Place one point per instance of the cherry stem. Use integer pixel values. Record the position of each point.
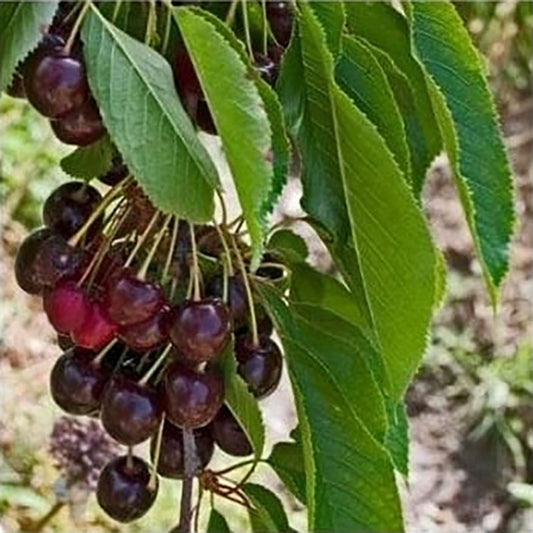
(246, 22)
(230, 16)
(249, 296)
(118, 5)
(265, 27)
(225, 279)
(242, 464)
(144, 380)
(144, 269)
(43, 522)
(171, 249)
(129, 460)
(141, 240)
(98, 359)
(197, 509)
(226, 248)
(153, 475)
(190, 463)
(76, 27)
(195, 267)
(152, 20)
(102, 206)
(166, 36)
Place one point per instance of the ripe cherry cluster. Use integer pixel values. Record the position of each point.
(144, 304)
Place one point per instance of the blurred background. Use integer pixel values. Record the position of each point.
(470, 407)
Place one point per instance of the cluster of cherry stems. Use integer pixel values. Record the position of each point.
(144, 304)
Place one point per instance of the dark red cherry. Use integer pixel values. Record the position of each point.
(204, 119)
(171, 452)
(237, 300)
(229, 435)
(16, 87)
(116, 173)
(69, 206)
(55, 259)
(279, 16)
(25, 262)
(130, 411)
(56, 83)
(66, 306)
(81, 127)
(200, 329)
(130, 300)
(77, 383)
(260, 366)
(97, 330)
(148, 335)
(266, 67)
(192, 399)
(125, 490)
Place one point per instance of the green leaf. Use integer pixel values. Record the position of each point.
(397, 439)
(291, 246)
(331, 17)
(472, 136)
(354, 187)
(361, 77)
(385, 28)
(242, 402)
(90, 161)
(240, 117)
(287, 461)
(267, 513)
(280, 142)
(217, 523)
(22, 24)
(135, 91)
(350, 479)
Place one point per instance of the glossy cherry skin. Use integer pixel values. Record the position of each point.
(97, 330)
(55, 260)
(130, 300)
(280, 18)
(170, 463)
(260, 366)
(81, 127)
(69, 206)
(25, 271)
(66, 306)
(130, 412)
(200, 329)
(192, 399)
(229, 435)
(148, 335)
(124, 489)
(56, 84)
(77, 383)
(237, 300)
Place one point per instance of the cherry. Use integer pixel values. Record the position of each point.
(16, 87)
(130, 411)
(267, 67)
(125, 491)
(229, 435)
(66, 306)
(69, 206)
(97, 330)
(280, 18)
(200, 329)
(81, 127)
(171, 452)
(116, 173)
(148, 335)
(77, 383)
(25, 262)
(55, 259)
(56, 83)
(204, 119)
(237, 300)
(260, 366)
(192, 399)
(130, 300)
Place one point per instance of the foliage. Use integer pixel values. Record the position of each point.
(351, 345)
